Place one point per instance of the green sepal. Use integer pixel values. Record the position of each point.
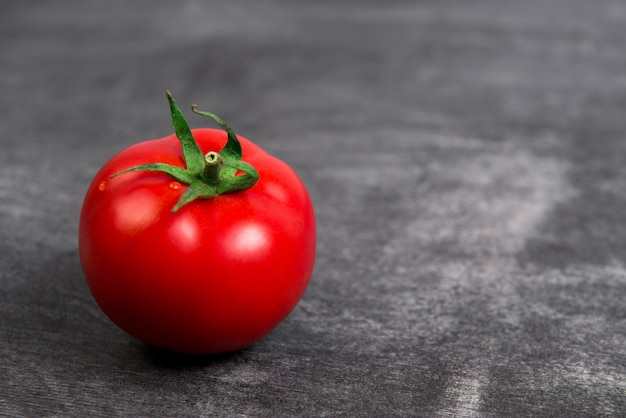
(195, 191)
(194, 159)
(178, 173)
(232, 150)
(242, 181)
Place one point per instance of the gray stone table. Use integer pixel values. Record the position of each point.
(466, 160)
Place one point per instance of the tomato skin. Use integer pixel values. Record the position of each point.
(215, 276)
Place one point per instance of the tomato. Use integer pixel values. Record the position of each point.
(197, 256)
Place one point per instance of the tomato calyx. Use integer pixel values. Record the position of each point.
(207, 175)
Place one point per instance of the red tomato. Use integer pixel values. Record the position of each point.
(215, 275)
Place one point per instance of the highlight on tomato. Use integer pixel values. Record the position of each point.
(199, 242)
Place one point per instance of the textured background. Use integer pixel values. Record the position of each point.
(466, 163)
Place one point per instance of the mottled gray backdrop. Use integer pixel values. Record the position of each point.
(466, 160)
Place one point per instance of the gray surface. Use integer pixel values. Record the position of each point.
(465, 159)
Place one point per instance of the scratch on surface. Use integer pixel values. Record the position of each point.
(462, 397)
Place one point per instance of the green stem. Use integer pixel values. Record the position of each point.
(213, 163)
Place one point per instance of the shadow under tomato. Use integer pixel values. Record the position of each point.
(170, 359)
